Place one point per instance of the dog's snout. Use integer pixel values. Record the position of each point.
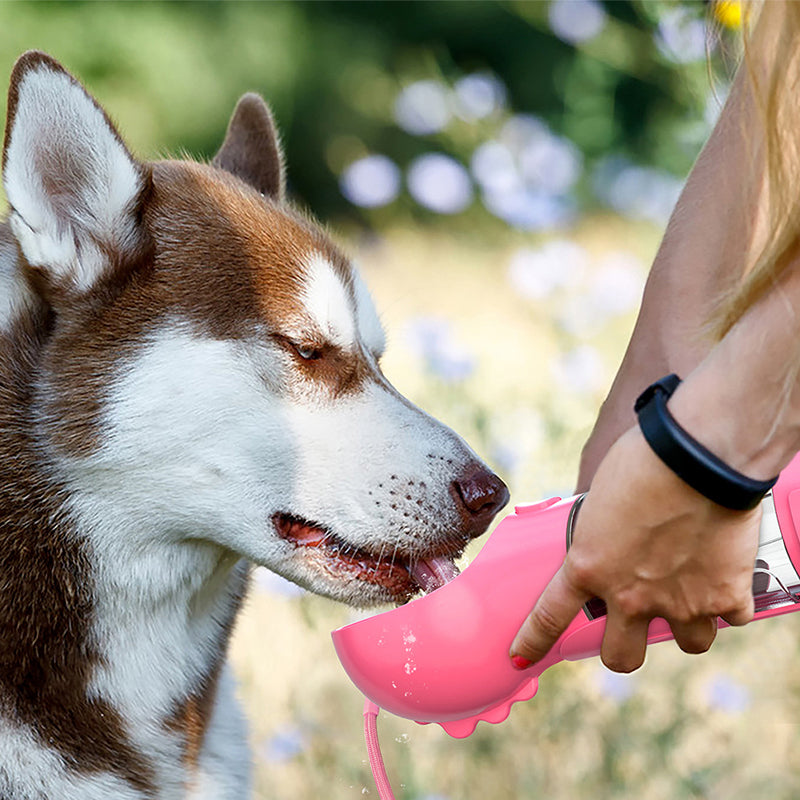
(482, 495)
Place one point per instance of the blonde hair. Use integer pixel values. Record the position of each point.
(771, 38)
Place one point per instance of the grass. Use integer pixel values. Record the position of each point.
(724, 725)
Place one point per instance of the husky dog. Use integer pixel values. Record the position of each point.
(190, 382)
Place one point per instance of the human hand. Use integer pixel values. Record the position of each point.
(650, 546)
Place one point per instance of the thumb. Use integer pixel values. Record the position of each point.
(557, 606)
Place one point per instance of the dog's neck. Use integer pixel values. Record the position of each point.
(106, 635)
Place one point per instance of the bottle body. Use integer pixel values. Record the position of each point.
(445, 656)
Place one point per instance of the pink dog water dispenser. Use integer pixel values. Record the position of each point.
(444, 657)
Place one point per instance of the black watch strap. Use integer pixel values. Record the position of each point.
(687, 458)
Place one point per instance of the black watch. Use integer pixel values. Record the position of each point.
(687, 458)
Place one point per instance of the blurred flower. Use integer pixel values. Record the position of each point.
(371, 182)
(264, 580)
(521, 129)
(529, 210)
(580, 316)
(576, 21)
(617, 285)
(536, 273)
(439, 183)
(494, 167)
(729, 13)
(526, 173)
(423, 107)
(283, 745)
(580, 370)
(636, 192)
(728, 695)
(432, 339)
(479, 95)
(506, 456)
(615, 685)
(551, 162)
(515, 436)
(681, 36)
(546, 160)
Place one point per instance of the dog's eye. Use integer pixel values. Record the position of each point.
(307, 353)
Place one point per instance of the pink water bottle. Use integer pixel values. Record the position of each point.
(444, 657)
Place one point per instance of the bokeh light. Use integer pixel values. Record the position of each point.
(637, 192)
(479, 95)
(444, 356)
(682, 36)
(576, 21)
(616, 686)
(440, 183)
(728, 695)
(371, 182)
(580, 370)
(618, 282)
(423, 108)
(535, 273)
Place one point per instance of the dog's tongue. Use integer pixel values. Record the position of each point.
(433, 573)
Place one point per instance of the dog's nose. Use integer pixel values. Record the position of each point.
(482, 495)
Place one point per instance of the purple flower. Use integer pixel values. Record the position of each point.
(636, 192)
(580, 370)
(284, 745)
(726, 694)
(444, 356)
(615, 685)
(557, 264)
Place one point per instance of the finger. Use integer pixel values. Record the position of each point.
(556, 608)
(741, 615)
(695, 636)
(624, 642)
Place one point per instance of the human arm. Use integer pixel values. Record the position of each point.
(650, 545)
(645, 542)
(709, 241)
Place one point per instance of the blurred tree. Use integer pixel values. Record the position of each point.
(624, 78)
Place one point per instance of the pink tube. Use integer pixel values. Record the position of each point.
(374, 751)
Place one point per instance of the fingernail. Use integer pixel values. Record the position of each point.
(520, 662)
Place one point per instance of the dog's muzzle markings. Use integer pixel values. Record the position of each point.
(190, 382)
(479, 495)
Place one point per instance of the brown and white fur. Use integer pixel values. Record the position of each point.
(189, 382)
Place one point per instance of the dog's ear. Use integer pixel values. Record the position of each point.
(251, 149)
(73, 187)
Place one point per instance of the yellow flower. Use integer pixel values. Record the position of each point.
(729, 13)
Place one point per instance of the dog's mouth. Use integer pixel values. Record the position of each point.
(400, 575)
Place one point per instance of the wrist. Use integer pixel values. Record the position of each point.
(753, 438)
(693, 463)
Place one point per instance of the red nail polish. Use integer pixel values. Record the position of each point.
(520, 662)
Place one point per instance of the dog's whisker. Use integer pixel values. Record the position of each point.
(379, 560)
(394, 555)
